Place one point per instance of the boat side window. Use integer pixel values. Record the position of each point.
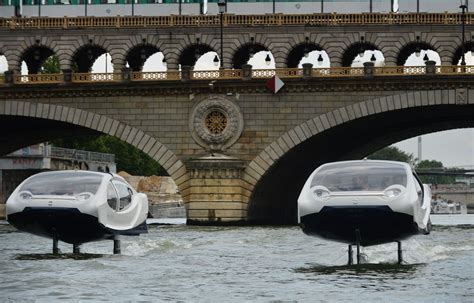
(111, 196)
(419, 187)
(125, 195)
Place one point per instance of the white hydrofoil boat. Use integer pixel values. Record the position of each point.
(78, 207)
(364, 202)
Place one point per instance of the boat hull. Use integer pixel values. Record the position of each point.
(67, 224)
(376, 224)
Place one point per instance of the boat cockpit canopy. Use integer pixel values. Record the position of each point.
(360, 176)
(63, 184)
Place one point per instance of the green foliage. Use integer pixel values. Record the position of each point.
(395, 154)
(51, 65)
(433, 166)
(128, 158)
(392, 153)
(429, 164)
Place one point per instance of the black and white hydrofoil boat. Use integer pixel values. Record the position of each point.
(78, 207)
(364, 202)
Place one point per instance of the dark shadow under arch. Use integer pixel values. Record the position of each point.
(191, 54)
(297, 53)
(19, 131)
(354, 50)
(243, 54)
(35, 56)
(468, 46)
(85, 57)
(409, 49)
(274, 198)
(137, 56)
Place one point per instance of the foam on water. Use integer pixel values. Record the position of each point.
(143, 247)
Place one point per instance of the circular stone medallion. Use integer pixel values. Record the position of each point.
(216, 123)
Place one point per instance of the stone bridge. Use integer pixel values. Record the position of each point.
(238, 152)
(79, 41)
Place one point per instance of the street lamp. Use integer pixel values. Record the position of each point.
(463, 7)
(268, 60)
(222, 4)
(426, 58)
(320, 59)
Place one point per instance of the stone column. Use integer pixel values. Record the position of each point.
(9, 74)
(307, 71)
(246, 72)
(369, 69)
(186, 72)
(217, 193)
(67, 74)
(430, 67)
(126, 74)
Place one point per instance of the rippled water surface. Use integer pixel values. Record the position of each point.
(239, 264)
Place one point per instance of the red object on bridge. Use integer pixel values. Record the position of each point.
(274, 84)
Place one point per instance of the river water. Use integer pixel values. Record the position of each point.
(240, 264)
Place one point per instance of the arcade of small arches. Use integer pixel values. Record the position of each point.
(146, 56)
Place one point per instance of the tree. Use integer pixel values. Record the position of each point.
(423, 168)
(127, 157)
(51, 65)
(429, 164)
(392, 153)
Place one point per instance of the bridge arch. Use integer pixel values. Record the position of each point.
(355, 49)
(278, 173)
(35, 56)
(85, 56)
(138, 55)
(192, 52)
(33, 51)
(246, 51)
(468, 46)
(410, 48)
(80, 121)
(299, 51)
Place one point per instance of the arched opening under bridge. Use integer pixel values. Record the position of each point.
(274, 197)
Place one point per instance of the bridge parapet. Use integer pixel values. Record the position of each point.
(317, 19)
(232, 74)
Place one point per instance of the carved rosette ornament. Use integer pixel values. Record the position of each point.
(216, 123)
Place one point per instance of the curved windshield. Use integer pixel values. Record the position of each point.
(60, 184)
(360, 176)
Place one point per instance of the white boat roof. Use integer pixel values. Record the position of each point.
(369, 161)
(89, 172)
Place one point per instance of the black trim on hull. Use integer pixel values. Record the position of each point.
(377, 224)
(69, 225)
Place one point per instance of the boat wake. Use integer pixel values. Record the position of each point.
(145, 247)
